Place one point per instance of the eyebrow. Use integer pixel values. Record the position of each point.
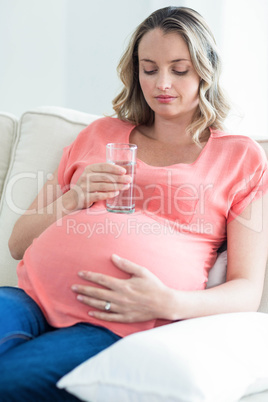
(172, 61)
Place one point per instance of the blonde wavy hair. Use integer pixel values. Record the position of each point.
(130, 104)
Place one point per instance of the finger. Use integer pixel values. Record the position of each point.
(101, 196)
(92, 291)
(97, 304)
(109, 178)
(107, 168)
(112, 317)
(107, 187)
(105, 281)
(128, 266)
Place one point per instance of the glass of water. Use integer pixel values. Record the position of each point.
(123, 155)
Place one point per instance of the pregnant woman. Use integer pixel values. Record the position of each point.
(88, 277)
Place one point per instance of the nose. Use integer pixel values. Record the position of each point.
(163, 82)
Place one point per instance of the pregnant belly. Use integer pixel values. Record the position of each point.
(84, 241)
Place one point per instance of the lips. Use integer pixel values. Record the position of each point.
(165, 98)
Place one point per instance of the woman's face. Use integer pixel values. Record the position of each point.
(167, 77)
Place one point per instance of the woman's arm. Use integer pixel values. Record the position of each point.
(247, 253)
(97, 182)
(37, 217)
(144, 297)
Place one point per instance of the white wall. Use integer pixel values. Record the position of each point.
(245, 49)
(65, 53)
(96, 33)
(32, 38)
(241, 32)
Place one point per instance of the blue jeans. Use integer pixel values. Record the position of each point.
(34, 355)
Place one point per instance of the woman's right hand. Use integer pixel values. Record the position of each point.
(99, 181)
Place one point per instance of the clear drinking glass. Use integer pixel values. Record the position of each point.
(123, 155)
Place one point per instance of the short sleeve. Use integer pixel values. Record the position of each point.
(73, 155)
(251, 187)
(89, 147)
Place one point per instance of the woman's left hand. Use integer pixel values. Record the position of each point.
(139, 298)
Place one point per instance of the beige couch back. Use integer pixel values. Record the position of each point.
(31, 149)
(264, 302)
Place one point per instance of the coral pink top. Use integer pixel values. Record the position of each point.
(179, 223)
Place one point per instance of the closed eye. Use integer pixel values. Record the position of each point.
(181, 72)
(150, 72)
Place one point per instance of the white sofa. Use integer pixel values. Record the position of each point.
(30, 149)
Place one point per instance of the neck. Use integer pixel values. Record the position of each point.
(169, 131)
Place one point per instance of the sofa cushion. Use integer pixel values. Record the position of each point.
(264, 301)
(210, 359)
(264, 144)
(42, 135)
(8, 131)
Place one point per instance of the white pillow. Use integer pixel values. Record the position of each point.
(213, 359)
